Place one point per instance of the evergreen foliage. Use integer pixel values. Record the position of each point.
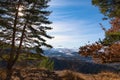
(110, 8)
(47, 64)
(112, 35)
(23, 24)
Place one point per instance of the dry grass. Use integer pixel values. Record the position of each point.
(31, 74)
(40, 74)
(70, 75)
(2, 74)
(107, 76)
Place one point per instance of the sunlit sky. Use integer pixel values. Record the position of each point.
(75, 23)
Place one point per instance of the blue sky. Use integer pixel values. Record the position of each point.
(75, 22)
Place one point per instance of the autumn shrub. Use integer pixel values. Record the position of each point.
(108, 49)
(101, 53)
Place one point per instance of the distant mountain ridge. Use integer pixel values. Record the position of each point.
(65, 53)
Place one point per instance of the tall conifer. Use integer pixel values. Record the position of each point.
(23, 23)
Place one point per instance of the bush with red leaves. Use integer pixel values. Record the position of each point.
(107, 50)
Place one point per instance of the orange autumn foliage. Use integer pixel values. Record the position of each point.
(115, 25)
(105, 53)
(101, 53)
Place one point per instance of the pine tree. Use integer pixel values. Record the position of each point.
(110, 8)
(112, 35)
(23, 24)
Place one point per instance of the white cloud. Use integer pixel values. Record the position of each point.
(74, 26)
(69, 41)
(70, 27)
(62, 15)
(73, 33)
(63, 3)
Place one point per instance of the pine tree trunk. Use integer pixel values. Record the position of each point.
(12, 53)
(9, 71)
(9, 75)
